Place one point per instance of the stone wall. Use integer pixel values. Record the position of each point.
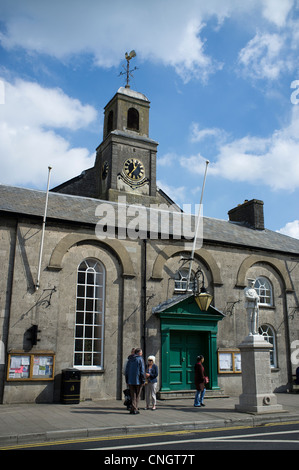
(131, 293)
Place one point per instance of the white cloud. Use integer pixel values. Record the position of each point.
(30, 103)
(29, 141)
(273, 51)
(167, 159)
(271, 161)
(262, 57)
(277, 11)
(166, 32)
(291, 229)
(198, 134)
(177, 194)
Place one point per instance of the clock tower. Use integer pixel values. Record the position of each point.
(126, 159)
(125, 163)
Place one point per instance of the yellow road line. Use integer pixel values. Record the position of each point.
(134, 436)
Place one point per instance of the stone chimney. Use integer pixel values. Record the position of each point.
(250, 213)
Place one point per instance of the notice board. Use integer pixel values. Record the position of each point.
(229, 361)
(30, 366)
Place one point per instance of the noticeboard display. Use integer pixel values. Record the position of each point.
(229, 361)
(30, 366)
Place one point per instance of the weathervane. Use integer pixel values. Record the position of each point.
(128, 72)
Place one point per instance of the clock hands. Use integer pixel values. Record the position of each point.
(135, 166)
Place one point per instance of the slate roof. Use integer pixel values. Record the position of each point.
(67, 208)
(178, 299)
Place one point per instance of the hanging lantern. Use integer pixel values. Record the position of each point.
(203, 300)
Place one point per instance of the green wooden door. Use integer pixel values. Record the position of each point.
(185, 346)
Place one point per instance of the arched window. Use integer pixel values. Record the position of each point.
(89, 329)
(133, 119)
(110, 122)
(268, 333)
(264, 289)
(180, 280)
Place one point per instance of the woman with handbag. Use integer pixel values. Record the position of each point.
(200, 382)
(151, 374)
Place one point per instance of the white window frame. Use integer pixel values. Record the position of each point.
(90, 315)
(265, 291)
(268, 333)
(180, 281)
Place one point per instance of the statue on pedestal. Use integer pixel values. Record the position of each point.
(252, 307)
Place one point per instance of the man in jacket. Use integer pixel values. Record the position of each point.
(135, 378)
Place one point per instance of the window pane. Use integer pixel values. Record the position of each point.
(78, 359)
(80, 318)
(90, 278)
(80, 304)
(90, 291)
(87, 345)
(78, 345)
(97, 346)
(98, 318)
(88, 332)
(89, 318)
(97, 359)
(81, 291)
(81, 278)
(97, 332)
(79, 331)
(87, 360)
(89, 305)
(98, 305)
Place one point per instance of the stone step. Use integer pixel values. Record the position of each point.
(174, 394)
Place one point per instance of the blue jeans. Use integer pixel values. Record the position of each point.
(199, 396)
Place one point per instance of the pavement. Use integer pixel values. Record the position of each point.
(27, 423)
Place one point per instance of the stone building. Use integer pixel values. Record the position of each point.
(114, 275)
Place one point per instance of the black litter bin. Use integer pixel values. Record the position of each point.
(70, 386)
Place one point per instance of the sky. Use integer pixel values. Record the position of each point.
(222, 77)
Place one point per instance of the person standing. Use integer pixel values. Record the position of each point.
(128, 400)
(135, 378)
(151, 374)
(200, 380)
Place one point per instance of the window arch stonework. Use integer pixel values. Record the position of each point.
(276, 264)
(74, 239)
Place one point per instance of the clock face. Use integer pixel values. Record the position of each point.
(134, 169)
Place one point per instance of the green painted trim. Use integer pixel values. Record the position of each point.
(186, 316)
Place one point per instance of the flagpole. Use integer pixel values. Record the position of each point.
(197, 227)
(37, 285)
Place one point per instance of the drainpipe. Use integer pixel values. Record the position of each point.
(144, 288)
(6, 321)
(288, 338)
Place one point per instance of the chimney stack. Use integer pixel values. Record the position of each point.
(250, 213)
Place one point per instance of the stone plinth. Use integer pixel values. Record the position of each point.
(257, 396)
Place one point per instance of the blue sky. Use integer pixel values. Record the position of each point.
(222, 78)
